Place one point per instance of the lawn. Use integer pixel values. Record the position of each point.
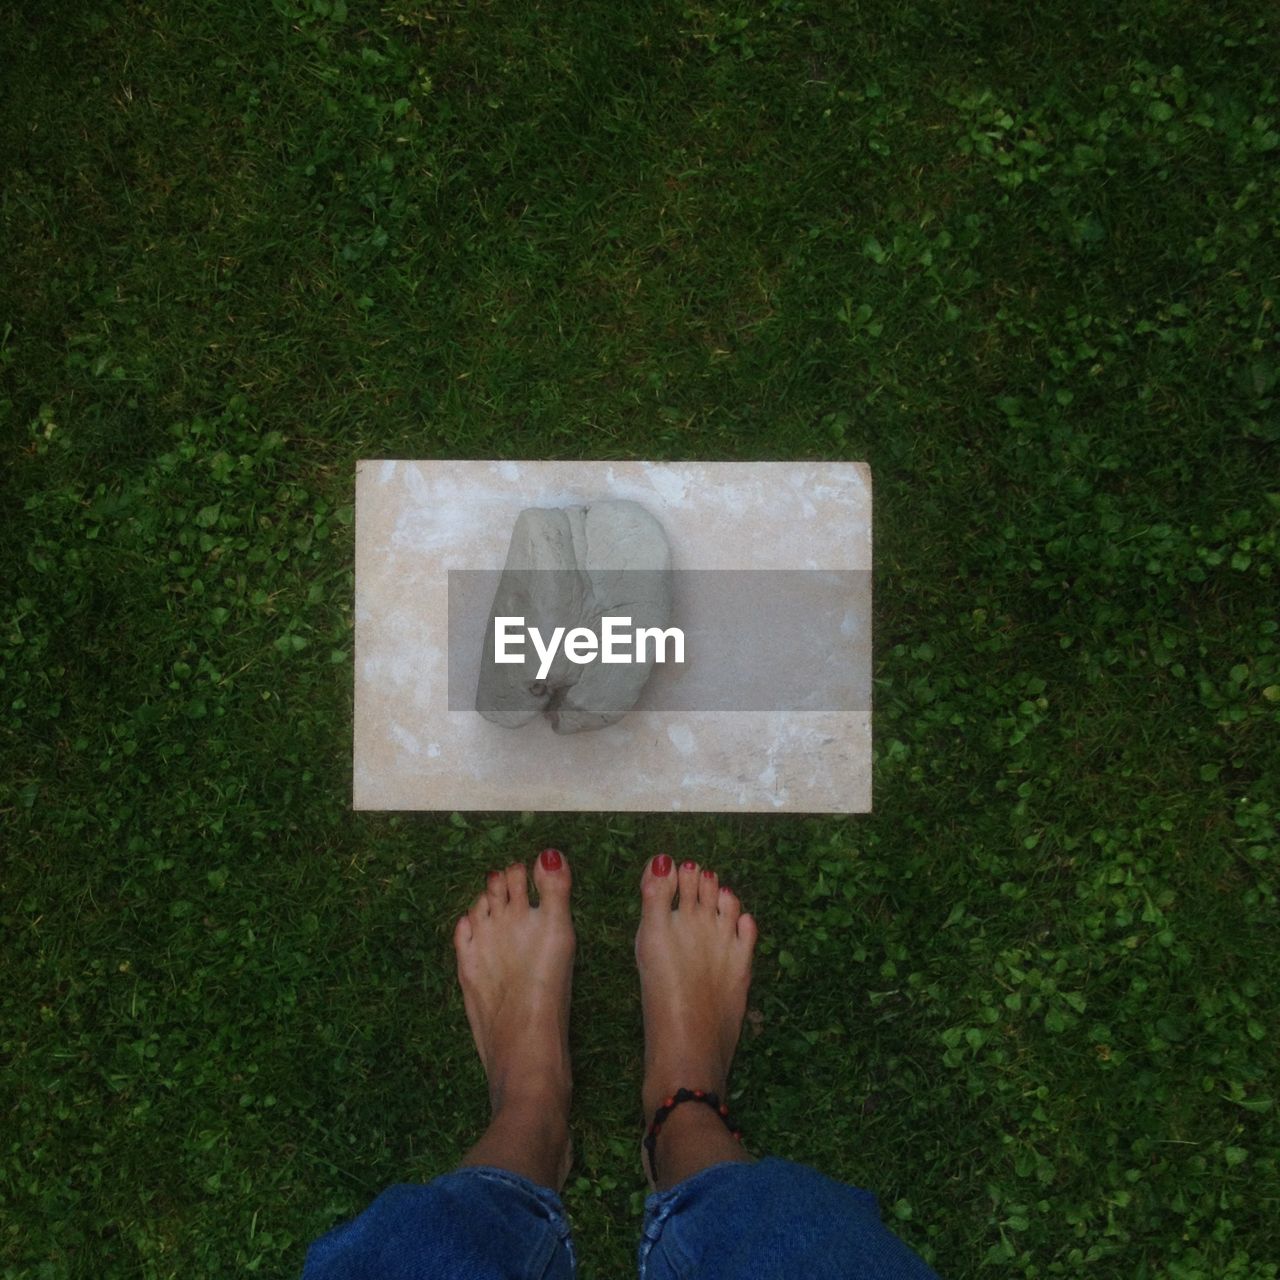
(1022, 258)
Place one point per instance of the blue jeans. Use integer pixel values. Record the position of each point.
(770, 1220)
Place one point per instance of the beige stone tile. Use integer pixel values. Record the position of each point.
(415, 521)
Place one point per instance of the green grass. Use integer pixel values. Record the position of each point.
(1021, 258)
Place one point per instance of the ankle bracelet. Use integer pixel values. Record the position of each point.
(684, 1095)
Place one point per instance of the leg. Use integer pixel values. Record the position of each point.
(716, 1212)
(515, 963)
(472, 1224)
(771, 1220)
(695, 968)
(498, 1216)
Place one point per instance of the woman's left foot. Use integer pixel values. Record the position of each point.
(515, 964)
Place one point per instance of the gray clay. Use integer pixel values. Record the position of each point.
(569, 567)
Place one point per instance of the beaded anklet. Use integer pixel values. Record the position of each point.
(684, 1095)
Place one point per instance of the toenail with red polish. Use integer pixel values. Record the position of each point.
(662, 865)
(689, 864)
(551, 859)
(708, 873)
(724, 888)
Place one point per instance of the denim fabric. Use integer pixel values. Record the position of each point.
(768, 1220)
(473, 1224)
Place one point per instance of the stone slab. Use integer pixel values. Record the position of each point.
(417, 520)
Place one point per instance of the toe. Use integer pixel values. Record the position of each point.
(688, 881)
(517, 885)
(479, 909)
(496, 888)
(708, 888)
(551, 875)
(462, 932)
(729, 907)
(657, 885)
(747, 931)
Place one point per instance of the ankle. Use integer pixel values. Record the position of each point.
(693, 1137)
(539, 1104)
(691, 1077)
(541, 1123)
(532, 1142)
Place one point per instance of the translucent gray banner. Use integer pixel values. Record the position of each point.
(754, 640)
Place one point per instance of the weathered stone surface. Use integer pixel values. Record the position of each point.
(417, 521)
(570, 567)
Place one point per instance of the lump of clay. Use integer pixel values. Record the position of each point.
(569, 567)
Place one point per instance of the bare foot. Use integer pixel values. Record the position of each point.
(515, 964)
(695, 969)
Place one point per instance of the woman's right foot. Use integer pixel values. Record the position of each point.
(695, 970)
(515, 964)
